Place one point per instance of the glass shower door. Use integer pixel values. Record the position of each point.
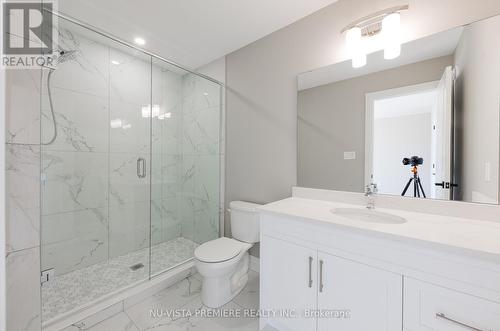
(130, 160)
(95, 215)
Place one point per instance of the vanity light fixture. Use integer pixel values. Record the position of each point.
(386, 23)
(114, 62)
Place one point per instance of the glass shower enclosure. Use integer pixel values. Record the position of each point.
(130, 168)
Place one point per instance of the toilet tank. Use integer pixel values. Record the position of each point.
(245, 225)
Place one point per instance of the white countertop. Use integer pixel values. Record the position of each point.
(476, 235)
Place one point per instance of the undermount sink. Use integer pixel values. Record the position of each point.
(368, 215)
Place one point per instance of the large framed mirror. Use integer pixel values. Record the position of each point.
(423, 125)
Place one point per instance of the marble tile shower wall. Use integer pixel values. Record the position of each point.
(201, 141)
(23, 199)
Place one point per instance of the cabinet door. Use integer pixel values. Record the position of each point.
(353, 296)
(288, 284)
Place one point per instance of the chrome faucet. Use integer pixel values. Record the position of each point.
(370, 191)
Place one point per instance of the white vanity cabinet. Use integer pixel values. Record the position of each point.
(337, 278)
(301, 283)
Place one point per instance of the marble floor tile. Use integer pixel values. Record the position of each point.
(185, 297)
(173, 297)
(249, 296)
(225, 323)
(207, 319)
(120, 322)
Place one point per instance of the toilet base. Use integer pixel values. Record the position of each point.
(217, 291)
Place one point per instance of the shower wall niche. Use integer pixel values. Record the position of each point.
(130, 168)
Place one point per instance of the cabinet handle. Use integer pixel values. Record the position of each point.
(310, 272)
(446, 318)
(321, 276)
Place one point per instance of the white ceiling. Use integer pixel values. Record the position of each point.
(191, 32)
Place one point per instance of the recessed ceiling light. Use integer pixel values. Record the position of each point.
(139, 41)
(115, 62)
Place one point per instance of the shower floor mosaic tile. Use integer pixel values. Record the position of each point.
(79, 287)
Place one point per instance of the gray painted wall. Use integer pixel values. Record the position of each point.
(261, 102)
(332, 121)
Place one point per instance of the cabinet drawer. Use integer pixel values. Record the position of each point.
(428, 307)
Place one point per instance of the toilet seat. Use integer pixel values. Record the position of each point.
(218, 250)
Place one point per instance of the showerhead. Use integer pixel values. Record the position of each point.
(65, 56)
(62, 56)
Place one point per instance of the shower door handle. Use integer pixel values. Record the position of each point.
(310, 282)
(141, 167)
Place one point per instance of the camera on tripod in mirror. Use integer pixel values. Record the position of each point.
(414, 161)
(418, 189)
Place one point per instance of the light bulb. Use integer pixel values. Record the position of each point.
(355, 47)
(359, 60)
(391, 34)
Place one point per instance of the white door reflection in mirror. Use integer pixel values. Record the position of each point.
(442, 137)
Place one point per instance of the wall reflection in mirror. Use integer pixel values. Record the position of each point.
(423, 125)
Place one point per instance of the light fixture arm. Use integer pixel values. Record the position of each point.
(374, 18)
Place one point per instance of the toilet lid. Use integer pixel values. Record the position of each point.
(218, 250)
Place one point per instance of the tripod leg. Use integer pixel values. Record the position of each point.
(415, 188)
(418, 189)
(406, 187)
(421, 187)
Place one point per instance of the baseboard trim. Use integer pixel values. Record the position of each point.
(254, 263)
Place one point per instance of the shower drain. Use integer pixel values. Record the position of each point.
(137, 266)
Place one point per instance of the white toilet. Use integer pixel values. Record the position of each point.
(223, 263)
